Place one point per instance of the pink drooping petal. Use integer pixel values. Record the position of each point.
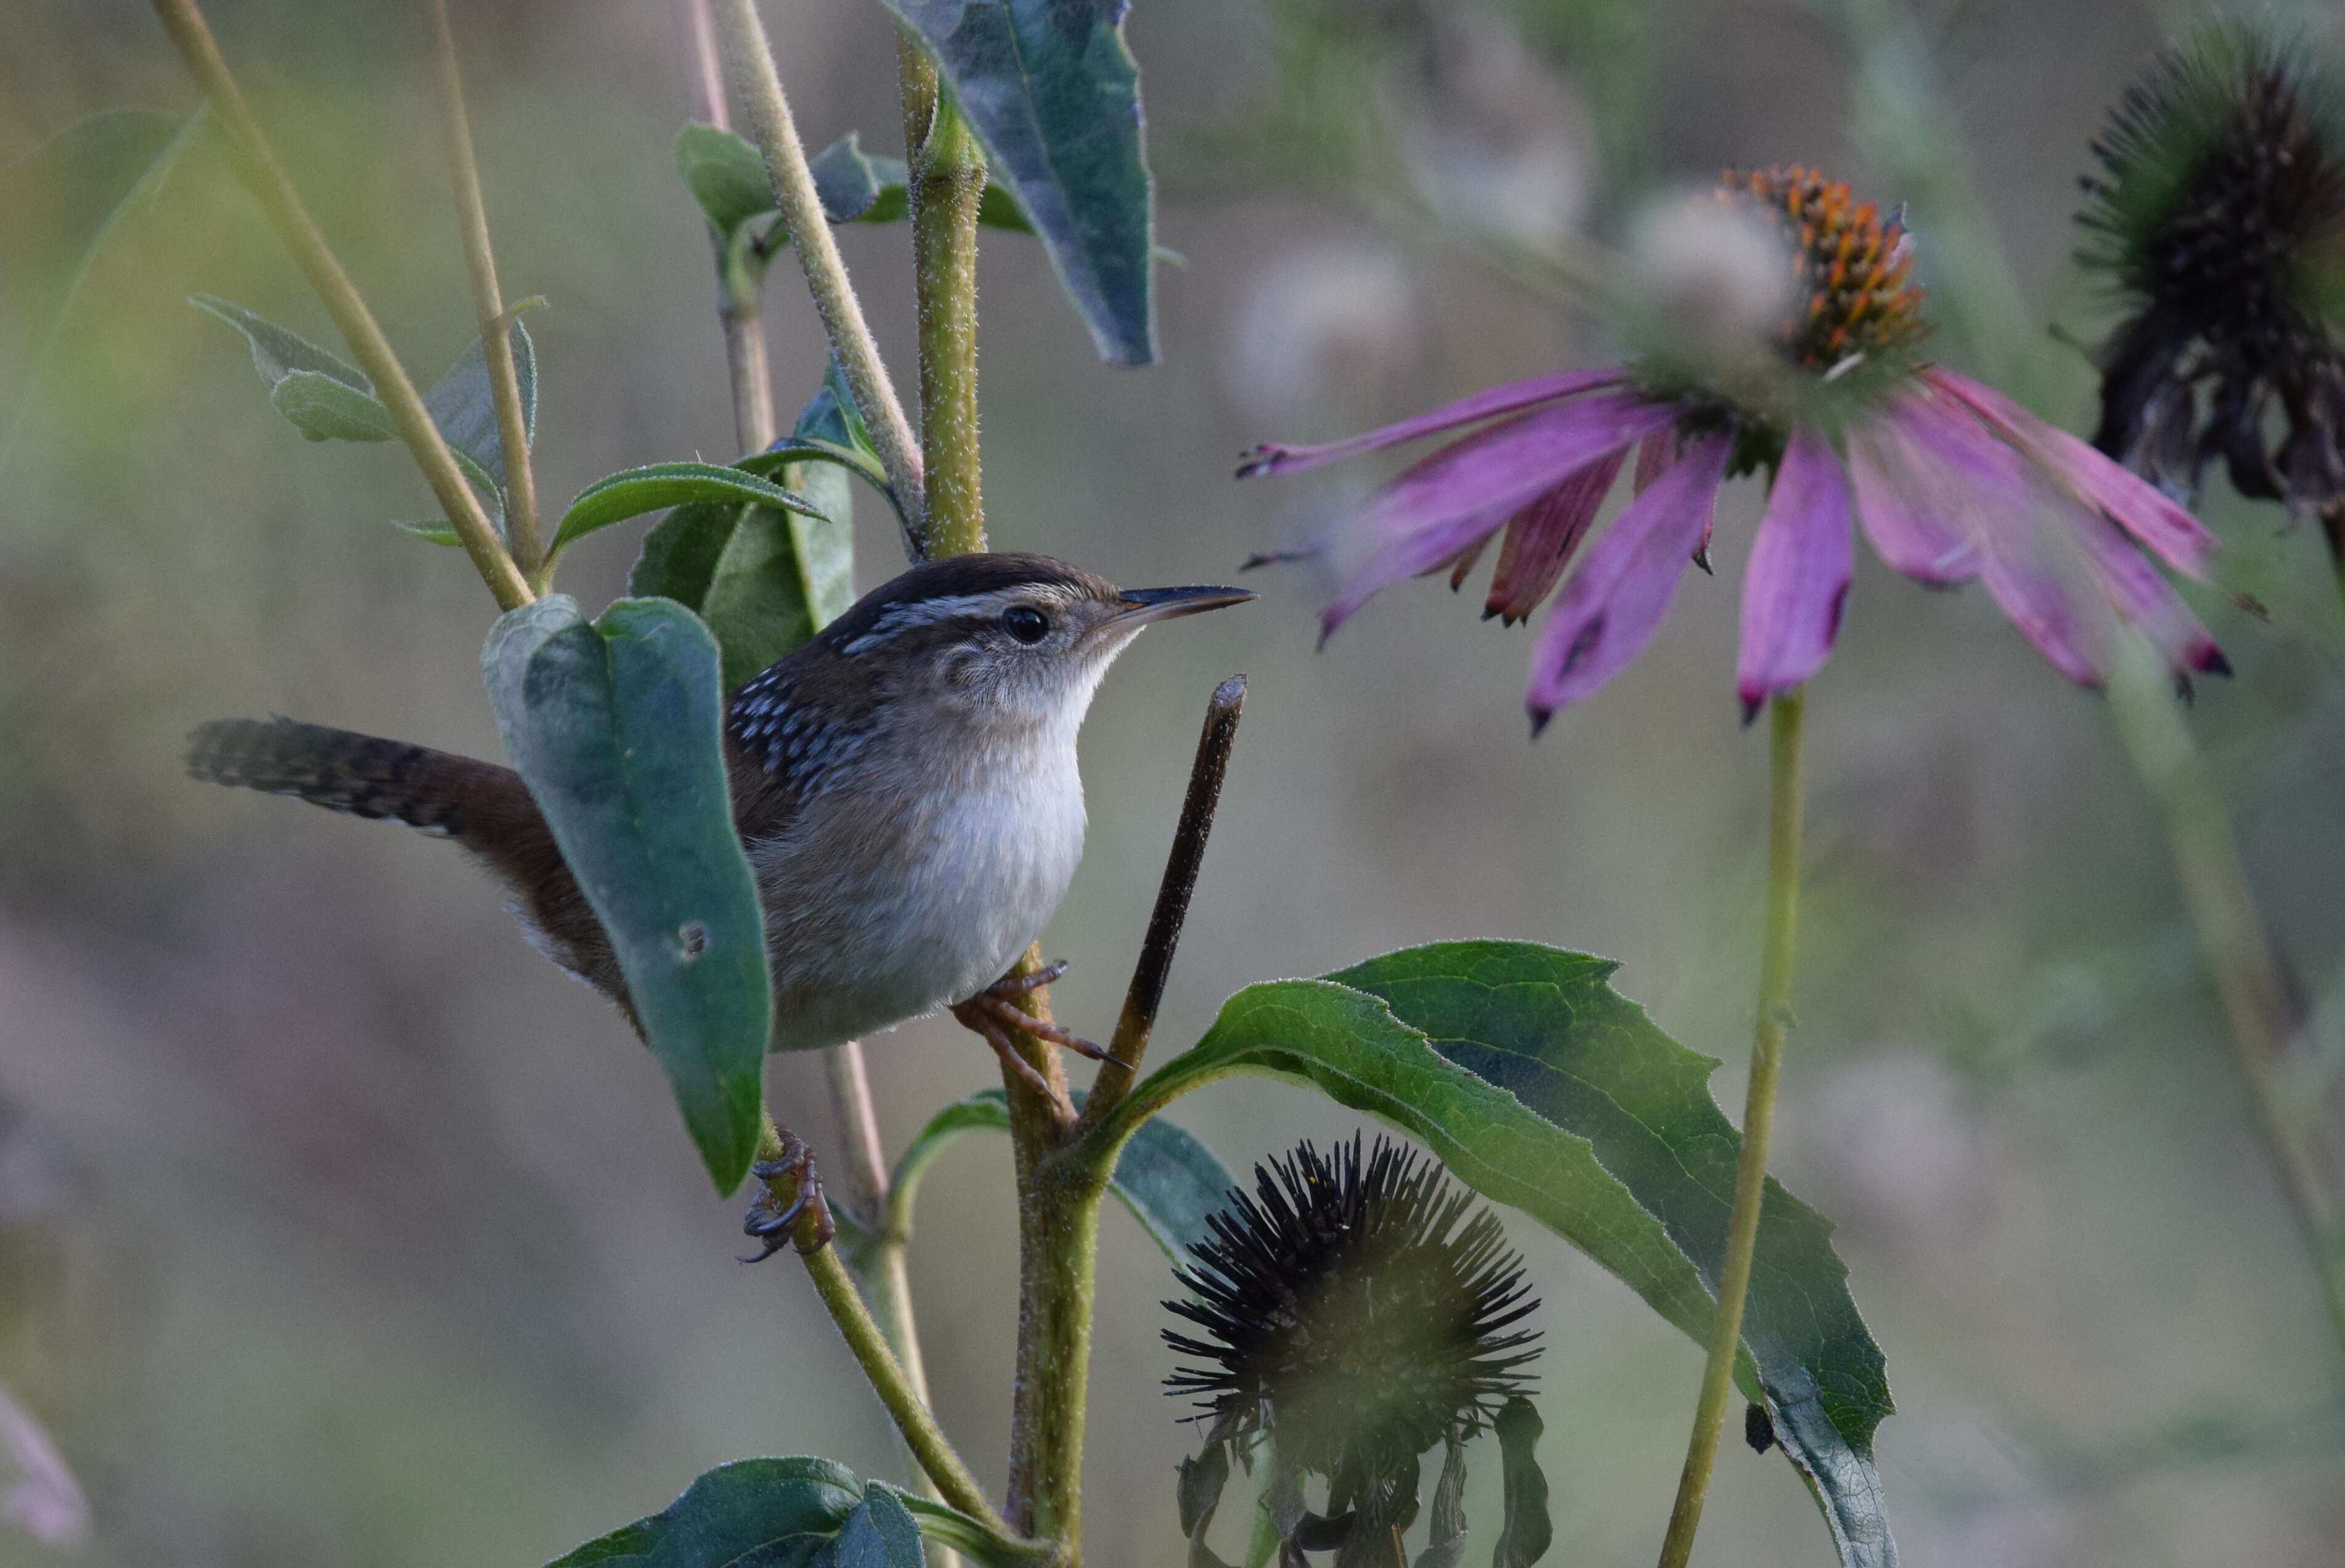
(2144, 596)
(1463, 562)
(2041, 602)
(1798, 577)
(1654, 456)
(2021, 521)
(1469, 489)
(2140, 508)
(1410, 556)
(1909, 493)
(1981, 488)
(1272, 458)
(1612, 605)
(1542, 536)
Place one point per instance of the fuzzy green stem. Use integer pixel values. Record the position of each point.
(1757, 1122)
(750, 69)
(1058, 1227)
(522, 534)
(2238, 949)
(870, 1347)
(947, 182)
(259, 167)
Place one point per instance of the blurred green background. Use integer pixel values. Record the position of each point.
(336, 1226)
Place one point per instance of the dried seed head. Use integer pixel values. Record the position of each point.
(2218, 215)
(1355, 1308)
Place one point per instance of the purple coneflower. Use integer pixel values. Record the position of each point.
(1949, 479)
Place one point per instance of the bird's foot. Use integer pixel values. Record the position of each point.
(797, 1214)
(1000, 1002)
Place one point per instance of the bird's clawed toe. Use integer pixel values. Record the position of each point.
(802, 1219)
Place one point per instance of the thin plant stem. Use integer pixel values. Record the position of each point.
(1146, 992)
(2263, 1023)
(1758, 1122)
(870, 1347)
(705, 69)
(521, 534)
(264, 175)
(749, 68)
(740, 281)
(947, 183)
(739, 310)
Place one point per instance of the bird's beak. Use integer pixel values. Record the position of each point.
(1143, 606)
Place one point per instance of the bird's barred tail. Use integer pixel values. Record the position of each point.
(361, 775)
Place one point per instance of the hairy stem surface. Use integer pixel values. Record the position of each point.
(947, 182)
(837, 1288)
(1758, 1124)
(749, 68)
(521, 534)
(259, 167)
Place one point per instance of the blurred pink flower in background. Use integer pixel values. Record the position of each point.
(1950, 480)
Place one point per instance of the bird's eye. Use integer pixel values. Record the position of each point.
(1025, 622)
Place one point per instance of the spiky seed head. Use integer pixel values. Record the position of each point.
(2217, 217)
(1358, 1308)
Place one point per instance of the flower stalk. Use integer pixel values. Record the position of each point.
(521, 534)
(264, 175)
(750, 69)
(1758, 1124)
(2239, 954)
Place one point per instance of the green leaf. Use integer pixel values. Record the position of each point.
(614, 726)
(779, 578)
(463, 404)
(435, 532)
(1053, 94)
(725, 175)
(681, 550)
(1524, 1537)
(323, 407)
(793, 1513)
(785, 1508)
(632, 492)
(1168, 1179)
(1540, 1086)
(879, 1534)
(1547, 1027)
(765, 580)
(856, 185)
(328, 398)
(280, 352)
(78, 189)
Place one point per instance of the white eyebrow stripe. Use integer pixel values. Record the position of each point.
(897, 619)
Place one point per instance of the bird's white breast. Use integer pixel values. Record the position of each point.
(929, 895)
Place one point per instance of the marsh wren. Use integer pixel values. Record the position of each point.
(904, 784)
